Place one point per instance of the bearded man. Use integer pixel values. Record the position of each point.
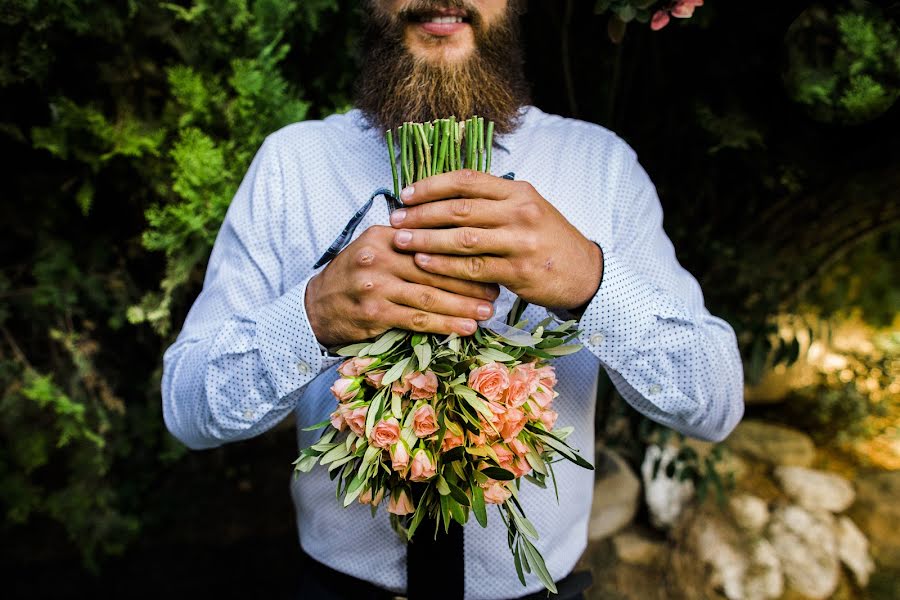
(581, 237)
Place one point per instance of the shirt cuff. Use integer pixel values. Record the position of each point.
(286, 341)
(622, 313)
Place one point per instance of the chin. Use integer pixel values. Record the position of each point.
(441, 52)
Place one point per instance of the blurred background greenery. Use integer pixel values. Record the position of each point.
(771, 133)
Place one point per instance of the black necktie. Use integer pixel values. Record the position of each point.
(435, 568)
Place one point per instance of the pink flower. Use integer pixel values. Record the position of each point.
(368, 498)
(399, 456)
(495, 492)
(337, 419)
(548, 417)
(513, 422)
(490, 380)
(424, 385)
(453, 437)
(520, 466)
(401, 386)
(424, 421)
(355, 366)
(345, 389)
(356, 419)
(523, 382)
(684, 9)
(546, 376)
(543, 396)
(374, 378)
(423, 466)
(518, 447)
(400, 503)
(385, 433)
(504, 456)
(477, 440)
(660, 19)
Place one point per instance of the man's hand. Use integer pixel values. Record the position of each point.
(369, 288)
(490, 229)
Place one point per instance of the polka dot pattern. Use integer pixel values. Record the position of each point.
(246, 355)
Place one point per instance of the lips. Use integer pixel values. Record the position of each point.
(441, 22)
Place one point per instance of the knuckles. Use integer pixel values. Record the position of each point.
(418, 320)
(466, 238)
(466, 177)
(461, 208)
(475, 266)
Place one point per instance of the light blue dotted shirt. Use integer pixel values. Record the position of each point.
(246, 356)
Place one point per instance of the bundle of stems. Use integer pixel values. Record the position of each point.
(439, 146)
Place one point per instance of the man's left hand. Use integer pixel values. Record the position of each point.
(472, 225)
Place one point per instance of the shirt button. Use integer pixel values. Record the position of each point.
(655, 388)
(303, 367)
(596, 338)
(248, 414)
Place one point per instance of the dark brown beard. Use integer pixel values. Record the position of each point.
(394, 87)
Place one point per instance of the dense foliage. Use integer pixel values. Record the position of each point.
(127, 127)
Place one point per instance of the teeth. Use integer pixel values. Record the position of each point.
(445, 20)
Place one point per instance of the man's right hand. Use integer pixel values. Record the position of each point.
(370, 287)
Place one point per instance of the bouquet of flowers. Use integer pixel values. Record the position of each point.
(444, 426)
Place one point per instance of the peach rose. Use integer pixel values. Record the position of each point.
(453, 437)
(368, 498)
(399, 456)
(424, 420)
(477, 440)
(490, 380)
(424, 385)
(385, 433)
(520, 466)
(513, 422)
(374, 378)
(518, 447)
(355, 366)
(548, 418)
(345, 389)
(401, 386)
(400, 503)
(495, 492)
(546, 376)
(356, 419)
(543, 396)
(523, 381)
(337, 419)
(504, 456)
(423, 466)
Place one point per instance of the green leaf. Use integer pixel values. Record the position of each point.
(421, 509)
(441, 485)
(471, 397)
(458, 513)
(499, 474)
(478, 506)
(395, 372)
(387, 341)
(564, 449)
(563, 350)
(353, 349)
(537, 563)
(423, 355)
(458, 495)
(336, 453)
(374, 412)
(319, 425)
(492, 355)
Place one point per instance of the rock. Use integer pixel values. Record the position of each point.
(853, 550)
(816, 490)
(635, 549)
(617, 493)
(806, 546)
(877, 513)
(742, 569)
(750, 513)
(772, 444)
(666, 497)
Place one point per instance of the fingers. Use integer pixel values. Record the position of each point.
(407, 270)
(440, 302)
(456, 240)
(447, 213)
(405, 317)
(465, 183)
(473, 268)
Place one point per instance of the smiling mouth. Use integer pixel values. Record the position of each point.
(441, 16)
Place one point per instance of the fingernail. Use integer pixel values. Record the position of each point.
(484, 311)
(398, 216)
(423, 259)
(407, 192)
(469, 326)
(403, 237)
